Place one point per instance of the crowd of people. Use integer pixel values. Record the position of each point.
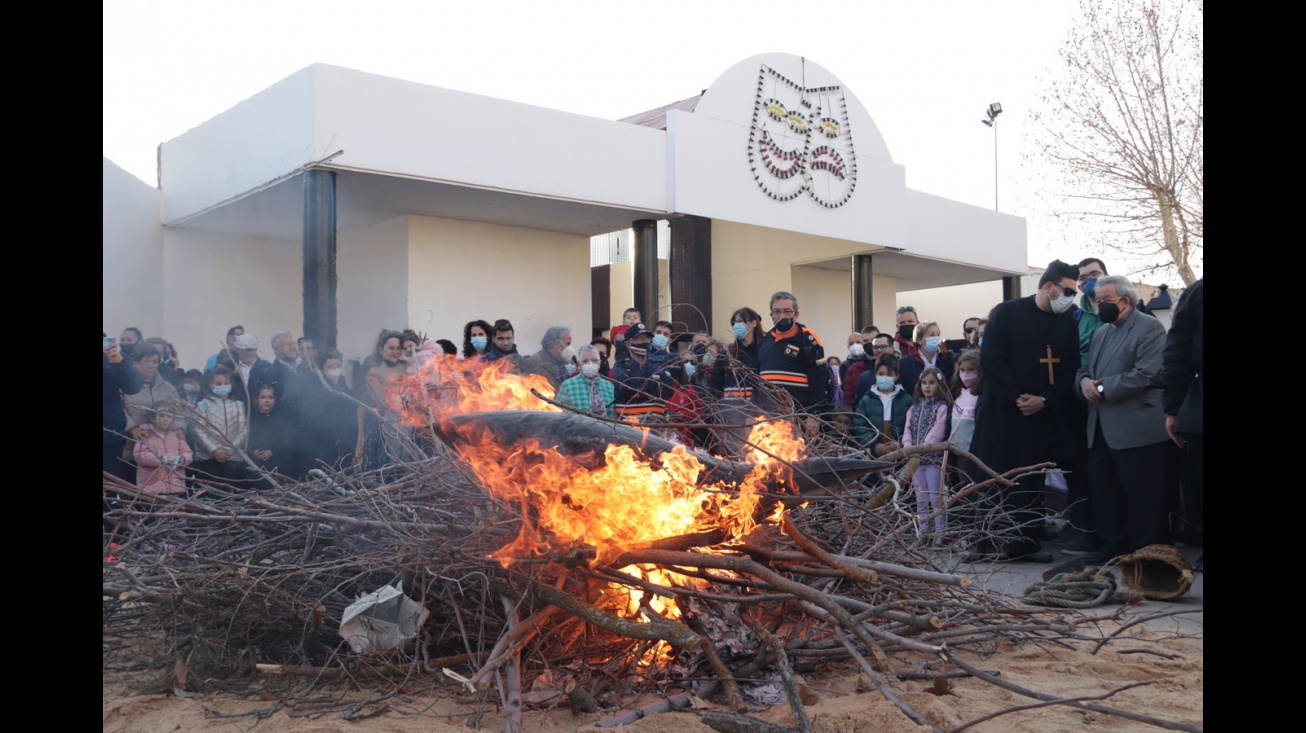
(1076, 377)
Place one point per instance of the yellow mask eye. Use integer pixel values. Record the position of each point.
(797, 123)
(776, 110)
(829, 128)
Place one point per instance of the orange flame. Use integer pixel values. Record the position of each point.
(446, 386)
(623, 504)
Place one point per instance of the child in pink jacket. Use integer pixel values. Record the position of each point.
(162, 453)
(927, 422)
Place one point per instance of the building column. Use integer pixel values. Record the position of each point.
(690, 273)
(646, 269)
(863, 302)
(320, 257)
(1010, 287)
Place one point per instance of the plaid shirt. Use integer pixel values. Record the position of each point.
(575, 392)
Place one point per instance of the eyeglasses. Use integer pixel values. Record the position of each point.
(882, 347)
(906, 309)
(786, 312)
(1112, 301)
(1087, 275)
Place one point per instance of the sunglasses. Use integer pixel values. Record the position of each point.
(1068, 292)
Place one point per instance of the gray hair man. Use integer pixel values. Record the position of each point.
(1126, 425)
(555, 361)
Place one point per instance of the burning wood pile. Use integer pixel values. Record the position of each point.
(562, 560)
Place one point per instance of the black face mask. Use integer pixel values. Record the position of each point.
(126, 349)
(784, 324)
(906, 331)
(1108, 312)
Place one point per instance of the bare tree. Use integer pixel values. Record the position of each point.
(1122, 125)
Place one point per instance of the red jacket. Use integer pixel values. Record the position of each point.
(855, 369)
(685, 406)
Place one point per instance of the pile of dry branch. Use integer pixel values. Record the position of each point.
(240, 579)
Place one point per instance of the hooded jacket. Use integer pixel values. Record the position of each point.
(155, 471)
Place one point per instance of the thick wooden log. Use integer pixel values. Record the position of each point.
(674, 633)
(580, 700)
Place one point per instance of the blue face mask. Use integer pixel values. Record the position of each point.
(659, 342)
(931, 344)
(884, 383)
(1089, 287)
(222, 390)
(479, 343)
(689, 370)
(741, 330)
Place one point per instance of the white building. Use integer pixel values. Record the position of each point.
(429, 207)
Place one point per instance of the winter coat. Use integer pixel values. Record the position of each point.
(219, 424)
(119, 379)
(274, 431)
(156, 473)
(328, 424)
(868, 423)
(138, 406)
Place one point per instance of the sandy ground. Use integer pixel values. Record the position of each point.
(1168, 664)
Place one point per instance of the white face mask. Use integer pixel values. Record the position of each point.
(568, 354)
(334, 373)
(856, 350)
(1062, 303)
(590, 369)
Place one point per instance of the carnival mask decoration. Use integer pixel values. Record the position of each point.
(800, 141)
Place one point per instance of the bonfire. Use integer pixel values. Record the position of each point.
(563, 560)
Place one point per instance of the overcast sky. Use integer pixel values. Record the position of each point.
(925, 71)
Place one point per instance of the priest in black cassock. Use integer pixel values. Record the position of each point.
(1029, 360)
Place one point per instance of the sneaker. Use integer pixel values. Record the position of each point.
(1085, 545)
(1054, 527)
(1069, 534)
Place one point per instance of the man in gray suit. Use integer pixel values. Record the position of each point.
(1126, 425)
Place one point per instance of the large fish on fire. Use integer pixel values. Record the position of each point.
(586, 441)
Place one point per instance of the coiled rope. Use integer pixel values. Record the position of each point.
(1085, 588)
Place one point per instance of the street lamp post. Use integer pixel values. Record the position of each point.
(991, 115)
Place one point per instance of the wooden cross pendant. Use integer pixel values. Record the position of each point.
(1050, 360)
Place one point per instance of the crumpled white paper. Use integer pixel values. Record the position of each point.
(382, 620)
